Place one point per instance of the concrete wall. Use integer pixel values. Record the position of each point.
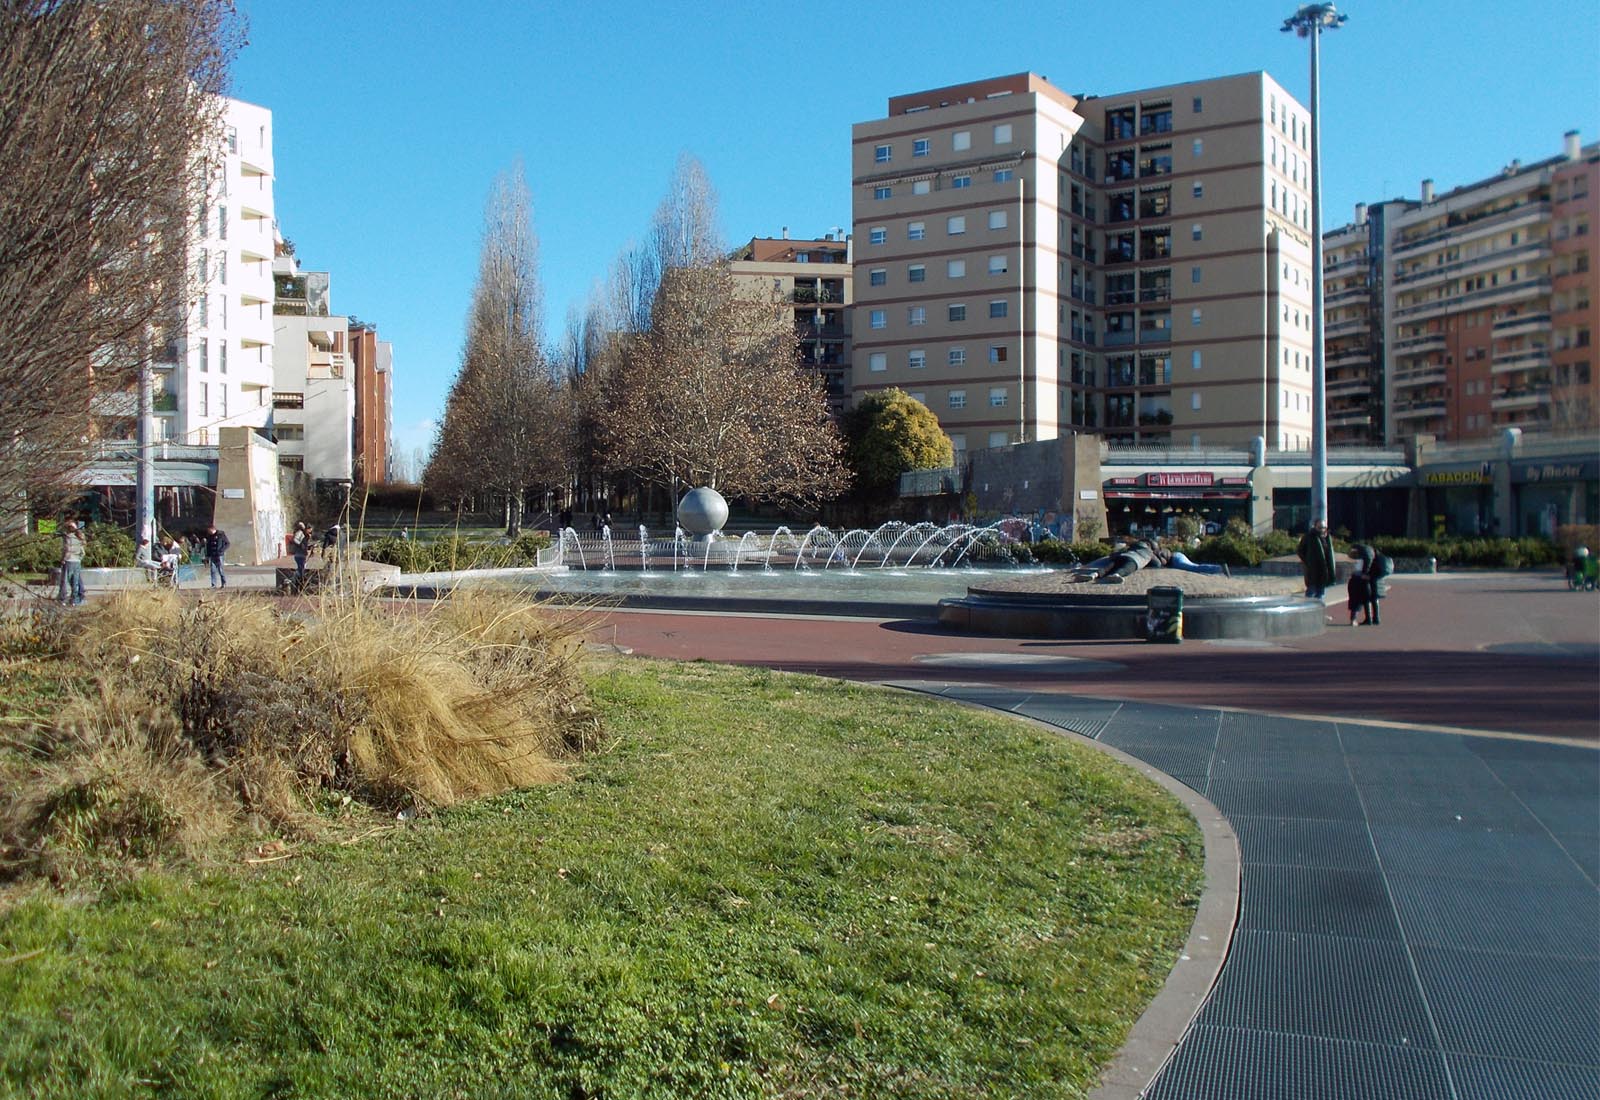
(248, 507)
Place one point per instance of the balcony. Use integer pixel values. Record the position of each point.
(1463, 225)
(1419, 345)
(1411, 379)
(1535, 358)
(1349, 324)
(1348, 294)
(1517, 253)
(1526, 397)
(1346, 356)
(1348, 387)
(1349, 418)
(1119, 339)
(1523, 324)
(164, 403)
(327, 364)
(1430, 411)
(1477, 299)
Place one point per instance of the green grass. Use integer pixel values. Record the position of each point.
(769, 886)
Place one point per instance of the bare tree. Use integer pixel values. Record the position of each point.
(110, 117)
(504, 423)
(714, 395)
(684, 231)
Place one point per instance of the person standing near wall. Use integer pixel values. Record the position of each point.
(1316, 555)
(73, 548)
(215, 543)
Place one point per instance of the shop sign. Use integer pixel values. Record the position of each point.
(1192, 480)
(1477, 475)
(1553, 471)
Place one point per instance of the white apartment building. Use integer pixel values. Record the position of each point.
(216, 370)
(314, 385)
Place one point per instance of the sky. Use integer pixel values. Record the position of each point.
(391, 118)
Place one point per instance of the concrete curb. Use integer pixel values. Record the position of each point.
(1166, 1020)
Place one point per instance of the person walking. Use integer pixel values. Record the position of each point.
(1316, 556)
(1368, 584)
(73, 547)
(215, 544)
(300, 547)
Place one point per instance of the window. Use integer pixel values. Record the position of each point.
(1196, 104)
(997, 219)
(997, 397)
(998, 308)
(1195, 232)
(916, 315)
(956, 357)
(878, 234)
(883, 154)
(878, 277)
(222, 222)
(1194, 316)
(956, 269)
(958, 399)
(1002, 175)
(1194, 400)
(205, 310)
(201, 266)
(920, 147)
(958, 441)
(921, 187)
(205, 399)
(1002, 133)
(222, 400)
(1194, 274)
(1194, 359)
(917, 273)
(999, 439)
(882, 192)
(919, 397)
(915, 231)
(997, 353)
(205, 355)
(917, 359)
(955, 224)
(997, 265)
(879, 319)
(957, 311)
(878, 361)
(233, 139)
(222, 356)
(961, 181)
(1199, 190)
(222, 275)
(961, 140)
(1199, 147)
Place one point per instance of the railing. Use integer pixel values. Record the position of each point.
(1459, 224)
(1532, 250)
(1521, 288)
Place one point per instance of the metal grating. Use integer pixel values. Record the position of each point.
(1550, 919)
(1538, 1009)
(1298, 843)
(1465, 851)
(1326, 901)
(1501, 1079)
(1327, 801)
(1234, 1064)
(1485, 807)
(1327, 986)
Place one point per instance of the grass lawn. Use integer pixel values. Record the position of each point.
(768, 885)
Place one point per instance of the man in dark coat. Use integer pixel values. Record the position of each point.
(1316, 555)
(216, 545)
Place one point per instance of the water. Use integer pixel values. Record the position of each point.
(836, 588)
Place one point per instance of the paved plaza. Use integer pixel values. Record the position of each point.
(1417, 814)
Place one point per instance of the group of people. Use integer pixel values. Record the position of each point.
(1367, 586)
(162, 561)
(1130, 557)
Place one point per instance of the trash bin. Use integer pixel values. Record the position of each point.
(1163, 617)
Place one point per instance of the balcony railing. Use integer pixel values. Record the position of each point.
(1525, 288)
(1461, 224)
(1527, 250)
(1522, 322)
(1521, 359)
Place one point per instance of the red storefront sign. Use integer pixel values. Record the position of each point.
(1201, 480)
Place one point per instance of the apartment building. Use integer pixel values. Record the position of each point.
(215, 368)
(1482, 308)
(815, 276)
(1030, 262)
(372, 360)
(314, 393)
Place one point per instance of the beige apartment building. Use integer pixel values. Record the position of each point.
(1030, 262)
(1458, 315)
(816, 278)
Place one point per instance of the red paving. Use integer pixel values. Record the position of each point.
(1510, 652)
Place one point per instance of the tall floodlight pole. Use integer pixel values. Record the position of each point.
(144, 469)
(1309, 22)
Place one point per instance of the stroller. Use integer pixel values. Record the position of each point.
(1583, 571)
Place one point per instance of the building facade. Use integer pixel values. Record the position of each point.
(817, 278)
(314, 399)
(372, 360)
(1030, 262)
(1474, 311)
(215, 368)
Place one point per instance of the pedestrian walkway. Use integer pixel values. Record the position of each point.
(1419, 916)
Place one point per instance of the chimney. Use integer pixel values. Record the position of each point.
(1427, 190)
(786, 232)
(1572, 148)
(1361, 213)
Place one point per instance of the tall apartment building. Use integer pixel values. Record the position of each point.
(1485, 307)
(816, 277)
(372, 360)
(314, 399)
(1030, 262)
(215, 370)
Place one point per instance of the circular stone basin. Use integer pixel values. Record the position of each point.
(1054, 605)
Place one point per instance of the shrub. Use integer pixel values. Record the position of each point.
(110, 547)
(1277, 544)
(32, 553)
(1230, 549)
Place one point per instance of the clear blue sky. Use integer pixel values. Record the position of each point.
(392, 118)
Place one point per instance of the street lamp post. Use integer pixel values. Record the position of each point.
(1309, 21)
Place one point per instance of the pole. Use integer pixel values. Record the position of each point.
(1022, 304)
(1319, 381)
(144, 473)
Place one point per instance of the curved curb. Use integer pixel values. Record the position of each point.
(1165, 1021)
